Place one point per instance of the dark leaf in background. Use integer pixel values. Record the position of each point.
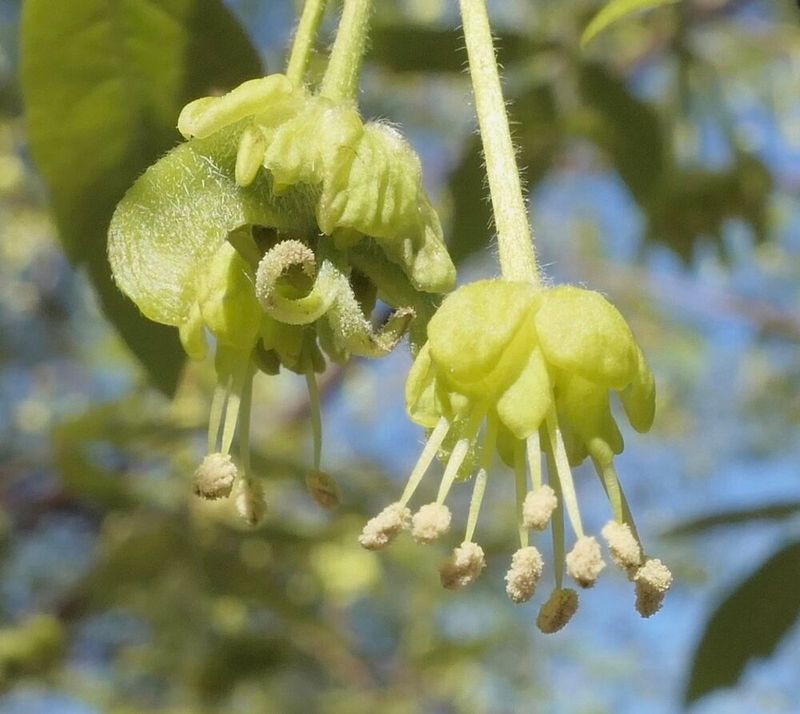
(773, 512)
(748, 624)
(627, 128)
(103, 83)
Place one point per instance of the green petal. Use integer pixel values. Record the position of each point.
(309, 147)
(482, 335)
(524, 405)
(422, 403)
(227, 299)
(207, 115)
(639, 398)
(176, 216)
(584, 410)
(581, 332)
(193, 336)
(376, 190)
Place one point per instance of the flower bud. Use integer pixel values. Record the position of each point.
(215, 476)
(251, 503)
(557, 611)
(625, 549)
(384, 528)
(323, 489)
(526, 569)
(585, 561)
(652, 580)
(463, 566)
(430, 522)
(538, 508)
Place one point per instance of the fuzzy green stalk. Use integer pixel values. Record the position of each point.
(515, 242)
(303, 43)
(340, 82)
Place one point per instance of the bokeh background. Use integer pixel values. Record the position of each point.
(664, 168)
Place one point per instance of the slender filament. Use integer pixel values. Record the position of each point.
(478, 490)
(519, 480)
(564, 473)
(425, 459)
(557, 521)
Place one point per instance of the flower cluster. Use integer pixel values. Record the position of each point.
(535, 368)
(275, 227)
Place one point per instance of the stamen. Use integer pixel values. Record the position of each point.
(427, 456)
(534, 448)
(215, 417)
(652, 580)
(458, 454)
(251, 502)
(383, 528)
(430, 522)
(625, 549)
(538, 507)
(519, 479)
(557, 522)
(316, 419)
(323, 489)
(238, 382)
(585, 561)
(478, 490)
(564, 472)
(557, 611)
(616, 495)
(463, 566)
(215, 476)
(526, 570)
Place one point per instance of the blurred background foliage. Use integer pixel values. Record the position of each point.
(664, 167)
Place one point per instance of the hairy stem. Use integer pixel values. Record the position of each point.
(517, 257)
(303, 43)
(341, 78)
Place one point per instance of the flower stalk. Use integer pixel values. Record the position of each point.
(340, 83)
(303, 43)
(514, 238)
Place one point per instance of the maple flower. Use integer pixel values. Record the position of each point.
(528, 372)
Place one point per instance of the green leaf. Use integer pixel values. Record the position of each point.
(615, 11)
(103, 83)
(627, 128)
(773, 512)
(748, 624)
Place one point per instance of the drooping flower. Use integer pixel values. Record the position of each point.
(275, 228)
(524, 371)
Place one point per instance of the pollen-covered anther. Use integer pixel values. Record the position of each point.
(523, 575)
(215, 476)
(251, 502)
(463, 566)
(625, 549)
(585, 561)
(430, 522)
(323, 489)
(557, 611)
(538, 507)
(383, 528)
(652, 580)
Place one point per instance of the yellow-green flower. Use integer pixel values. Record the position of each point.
(274, 229)
(525, 371)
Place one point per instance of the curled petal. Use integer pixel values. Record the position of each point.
(274, 292)
(639, 398)
(205, 116)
